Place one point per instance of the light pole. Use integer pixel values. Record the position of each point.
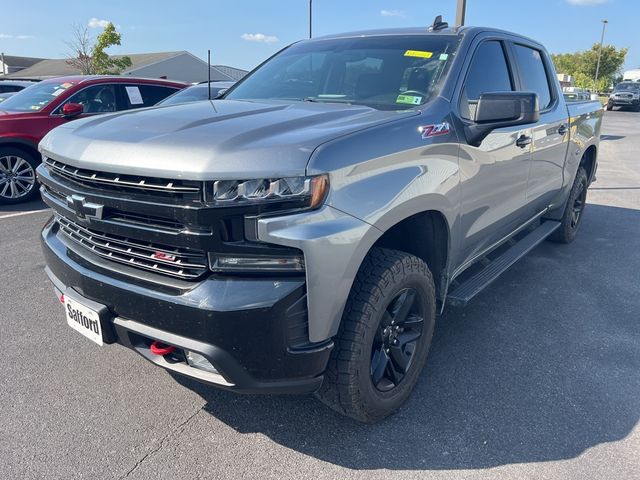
(310, 16)
(461, 12)
(595, 81)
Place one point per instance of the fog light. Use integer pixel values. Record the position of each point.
(196, 360)
(255, 263)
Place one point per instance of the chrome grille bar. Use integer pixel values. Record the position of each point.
(124, 181)
(160, 259)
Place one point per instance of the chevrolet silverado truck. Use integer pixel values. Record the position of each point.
(625, 94)
(301, 233)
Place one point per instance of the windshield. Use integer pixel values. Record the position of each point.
(35, 97)
(384, 72)
(192, 94)
(627, 87)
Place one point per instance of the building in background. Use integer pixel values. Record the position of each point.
(632, 75)
(182, 66)
(565, 80)
(12, 64)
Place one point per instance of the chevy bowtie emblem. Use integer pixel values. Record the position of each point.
(83, 209)
(434, 130)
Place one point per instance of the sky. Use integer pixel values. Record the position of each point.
(242, 33)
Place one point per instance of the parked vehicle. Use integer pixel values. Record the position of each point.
(29, 114)
(4, 96)
(625, 94)
(8, 86)
(302, 235)
(196, 93)
(571, 94)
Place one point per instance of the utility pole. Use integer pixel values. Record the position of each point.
(595, 81)
(461, 11)
(310, 17)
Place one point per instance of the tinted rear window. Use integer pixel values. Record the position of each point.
(533, 74)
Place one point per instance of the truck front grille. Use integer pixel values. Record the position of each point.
(162, 259)
(116, 181)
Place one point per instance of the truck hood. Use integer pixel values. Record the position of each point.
(205, 140)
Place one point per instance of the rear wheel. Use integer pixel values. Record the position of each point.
(17, 176)
(573, 210)
(384, 338)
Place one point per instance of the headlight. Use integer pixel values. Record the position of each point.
(310, 191)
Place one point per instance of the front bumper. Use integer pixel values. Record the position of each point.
(248, 328)
(624, 102)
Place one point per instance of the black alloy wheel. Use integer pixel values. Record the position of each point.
(394, 344)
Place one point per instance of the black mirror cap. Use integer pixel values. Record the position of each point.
(502, 109)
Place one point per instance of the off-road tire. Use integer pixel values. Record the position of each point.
(348, 387)
(568, 229)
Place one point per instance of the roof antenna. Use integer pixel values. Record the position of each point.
(438, 24)
(209, 72)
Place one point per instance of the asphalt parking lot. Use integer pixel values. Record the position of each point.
(538, 378)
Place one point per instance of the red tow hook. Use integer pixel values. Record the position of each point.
(159, 348)
(62, 298)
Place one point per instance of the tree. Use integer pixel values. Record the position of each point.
(92, 59)
(80, 45)
(582, 65)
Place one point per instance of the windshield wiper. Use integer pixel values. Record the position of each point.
(326, 100)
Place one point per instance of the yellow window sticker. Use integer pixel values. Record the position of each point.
(418, 53)
(409, 99)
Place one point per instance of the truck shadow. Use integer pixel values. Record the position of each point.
(542, 366)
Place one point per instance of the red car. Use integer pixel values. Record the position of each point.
(28, 115)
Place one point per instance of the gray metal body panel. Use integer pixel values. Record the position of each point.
(381, 169)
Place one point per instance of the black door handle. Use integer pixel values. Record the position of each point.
(563, 129)
(523, 141)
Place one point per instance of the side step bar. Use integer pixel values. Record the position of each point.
(464, 292)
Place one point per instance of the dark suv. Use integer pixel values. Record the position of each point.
(625, 94)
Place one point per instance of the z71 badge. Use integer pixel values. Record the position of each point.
(434, 130)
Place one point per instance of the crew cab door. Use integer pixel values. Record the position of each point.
(494, 174)
(551, 133)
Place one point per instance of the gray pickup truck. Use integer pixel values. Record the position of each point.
(301, 233)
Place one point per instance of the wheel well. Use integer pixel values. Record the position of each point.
(425, 235)
(25, 147)
(588, 161)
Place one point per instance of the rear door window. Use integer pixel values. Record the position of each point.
(138, 96)
(488, 72)
(533, 74)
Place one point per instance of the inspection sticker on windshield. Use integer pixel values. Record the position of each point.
(418, 53)
(409, 99)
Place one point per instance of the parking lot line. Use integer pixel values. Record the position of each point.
(19, 214)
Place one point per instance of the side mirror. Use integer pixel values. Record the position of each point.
(70, 110)
(501, 109)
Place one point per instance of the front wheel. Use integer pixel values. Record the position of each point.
(384, 337)
(573, 210)
(17, 176)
